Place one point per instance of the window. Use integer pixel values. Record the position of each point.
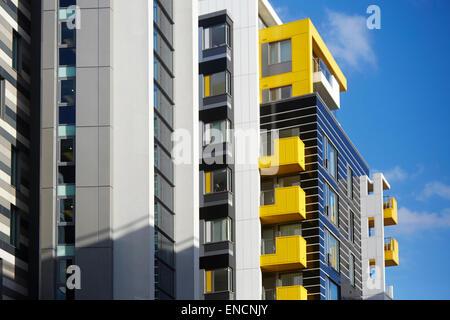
(14, 225)
(67, 115)
(371, 227)
(66, 210)
(280, 52)
(14, 171)
(66, 175)
(67, 57)
(66, 235)
(217, 132)
(219, 280)
(67, 93)
(217, 84)
(352, 270)
(291, 279)
(372, 269)
(349, 182)
(67, 36)
(332, 290)
(330, 157)
(66, 150)
(2, 98)
(351, 227)
(331, 205)
(218, 230)
(216, 36)
(16, 52)
(218, 181)
(276, 94)
(332, 250)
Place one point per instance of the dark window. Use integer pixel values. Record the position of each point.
(216, 36)
(66, 210)
(332, 290)
(67, 57)
(352, 269)
(331, 205)
(67, 115)
(67, 3)
(68, 91)
(14, 222)
(67, 36)
(13, 166)
(2, 98)
(67, 150)
(66, 175)
(16, 52)
(350, 182)
(351, 227)
(66, 235)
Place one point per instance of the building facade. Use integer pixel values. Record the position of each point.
(16, 110)
(174, 149)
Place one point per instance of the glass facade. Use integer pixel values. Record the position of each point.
(163, 128)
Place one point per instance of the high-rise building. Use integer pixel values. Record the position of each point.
(180, 149)
(16, 143)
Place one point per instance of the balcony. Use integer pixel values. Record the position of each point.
(390, 252)
(390, 211)
(292, 293)
(286, 293)
(288, 157)
(288, 253)
(282, 205)
(325, 84)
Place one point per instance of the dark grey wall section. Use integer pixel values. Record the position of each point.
(33, 267)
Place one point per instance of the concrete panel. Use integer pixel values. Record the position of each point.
(86, 218)
(48, 39)
(48, 219)
(105, 102)
(88, 38)
(48, 92)
(87, 96)
(87, 149)
(104, 156)
(48, 156)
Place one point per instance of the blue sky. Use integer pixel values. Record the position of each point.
(397, 113)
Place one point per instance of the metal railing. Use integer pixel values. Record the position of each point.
(268, 246)
(388, 202)
(320, 66)
(388, 244)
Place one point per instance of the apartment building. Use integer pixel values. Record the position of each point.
(181, 150)
(16, 111)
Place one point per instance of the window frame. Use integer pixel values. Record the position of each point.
(327, 193)
(326, 144)
(229, 187)
(278, 46)
(226, 136)
(207, 30)
(329, 234)
(209, 230)
(229, 271)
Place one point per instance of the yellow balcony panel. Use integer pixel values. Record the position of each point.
(289, 206)
(290, 254)
(390, 212)
(292, 293)
(391, 252)
(289, 157)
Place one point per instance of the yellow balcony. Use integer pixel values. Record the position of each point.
(390, 211)
(289, 157)
(390, 252)
(290, 254)
(292, 293)
(289, 206)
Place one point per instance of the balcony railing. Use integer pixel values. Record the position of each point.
(282, 205)
(289, 254)
(391, 257)
(320, 66)
(268, 246)
(390, 211)
(296, 292)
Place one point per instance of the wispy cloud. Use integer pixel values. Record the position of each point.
(398, 174)
(412, 221)
(349, 40)
(435, 188)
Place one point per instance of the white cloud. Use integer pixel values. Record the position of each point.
(412, 221)
(435, 188)
(396, 174)
(348, 39)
